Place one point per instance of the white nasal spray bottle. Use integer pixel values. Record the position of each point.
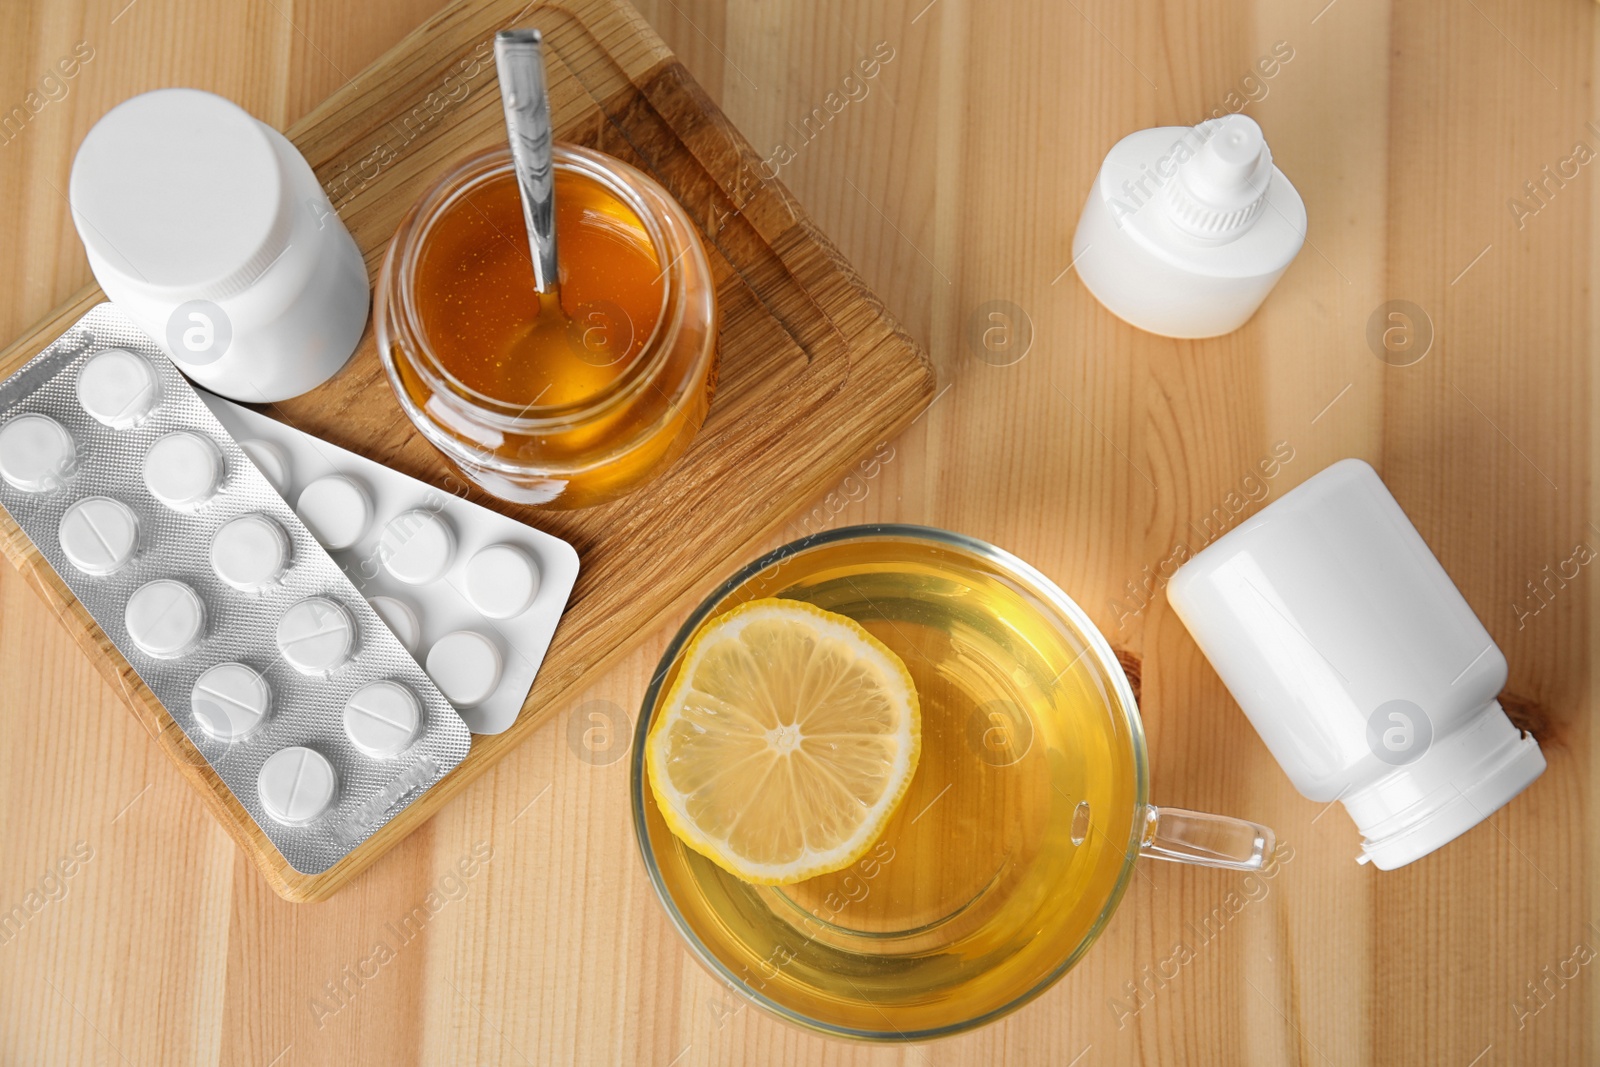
(1187, 229)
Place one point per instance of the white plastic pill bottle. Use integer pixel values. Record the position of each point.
(208, 228)
(1359, 663)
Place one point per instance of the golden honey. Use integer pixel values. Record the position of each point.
(475, 297)
(566, 400)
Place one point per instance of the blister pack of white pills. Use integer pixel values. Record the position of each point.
(289, 683)
(474, 595)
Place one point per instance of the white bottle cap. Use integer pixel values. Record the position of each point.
(181, 192)
(1453, 786)
(210, 230)
(1220, 190)
(1359, 663)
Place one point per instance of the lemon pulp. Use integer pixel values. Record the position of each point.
(787, 741)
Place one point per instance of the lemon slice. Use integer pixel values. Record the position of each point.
(786, 742)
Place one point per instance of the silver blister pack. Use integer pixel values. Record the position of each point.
(102, 480)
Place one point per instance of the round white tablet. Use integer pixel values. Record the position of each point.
(316, 635)
(465, 666)
(501, 581)
(36, 453)
(98, 534)
(164, 618)
(250, 552)
(295, 785)
(117, 388)
(183, 470)
(382, 719)
(417, 547)
(229, 701)
(337, 510)
(398, 616)
(270, 460)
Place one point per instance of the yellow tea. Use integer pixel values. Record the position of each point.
(1011, 847)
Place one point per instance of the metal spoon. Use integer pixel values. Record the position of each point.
(519, 62)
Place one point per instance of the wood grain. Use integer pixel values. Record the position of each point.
(812, 371)
(956, 180)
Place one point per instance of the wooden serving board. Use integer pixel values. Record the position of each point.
(814, 372)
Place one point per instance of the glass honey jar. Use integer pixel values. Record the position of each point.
(566, 413)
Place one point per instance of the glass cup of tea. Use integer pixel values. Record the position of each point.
(1017, 838)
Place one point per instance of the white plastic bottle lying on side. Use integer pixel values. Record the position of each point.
(1359, 663)
(1187, 229)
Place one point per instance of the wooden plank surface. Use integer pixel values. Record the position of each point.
(955, 180)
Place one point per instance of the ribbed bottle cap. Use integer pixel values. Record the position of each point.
(180, 193)
(1453, 786)
(1219, 191)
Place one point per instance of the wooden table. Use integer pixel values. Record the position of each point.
(952, 179)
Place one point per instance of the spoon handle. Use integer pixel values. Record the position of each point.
(519, 61)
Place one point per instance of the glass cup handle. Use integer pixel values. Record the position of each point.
(1206, 840)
